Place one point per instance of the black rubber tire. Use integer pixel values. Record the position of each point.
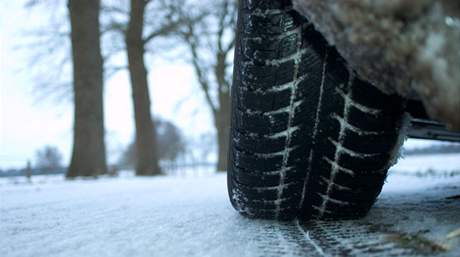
(308, 138)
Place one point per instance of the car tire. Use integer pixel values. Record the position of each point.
(308, 137)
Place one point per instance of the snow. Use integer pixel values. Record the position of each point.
(425, 163)
(116, 217)
(192, 216)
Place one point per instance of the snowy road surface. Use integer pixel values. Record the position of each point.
(177, 216)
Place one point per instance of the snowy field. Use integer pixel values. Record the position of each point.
(191, 216)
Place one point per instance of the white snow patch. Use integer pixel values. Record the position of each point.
(421, 164)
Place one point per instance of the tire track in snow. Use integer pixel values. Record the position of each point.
(284, 239)
(351, 238)
(326, 238)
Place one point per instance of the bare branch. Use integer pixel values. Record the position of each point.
(230, 46)
(223, 12)
(114, 26)
(164, 30)
(110, 71)
(114, 9)
(198, 66)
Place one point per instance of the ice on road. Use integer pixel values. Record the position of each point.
(191, 216)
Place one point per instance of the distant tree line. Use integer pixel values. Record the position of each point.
(434, 149)
(49, 160)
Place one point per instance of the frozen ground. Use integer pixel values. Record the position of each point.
(191, 216)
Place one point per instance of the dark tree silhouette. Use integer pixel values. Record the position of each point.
(146, 157)
(169, 140)
(89, 153)
(48, 158)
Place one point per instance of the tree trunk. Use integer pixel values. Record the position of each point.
(222, 114)
(222, 125)
(146, 152)
(88, 154)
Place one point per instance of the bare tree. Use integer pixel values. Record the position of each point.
(147, 158)
(49, 158)
(89, 153)
(170, 141)
(136, 41)
(209, 33)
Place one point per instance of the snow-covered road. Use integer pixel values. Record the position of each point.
(174, 216)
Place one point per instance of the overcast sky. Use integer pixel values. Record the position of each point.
(28, 123)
